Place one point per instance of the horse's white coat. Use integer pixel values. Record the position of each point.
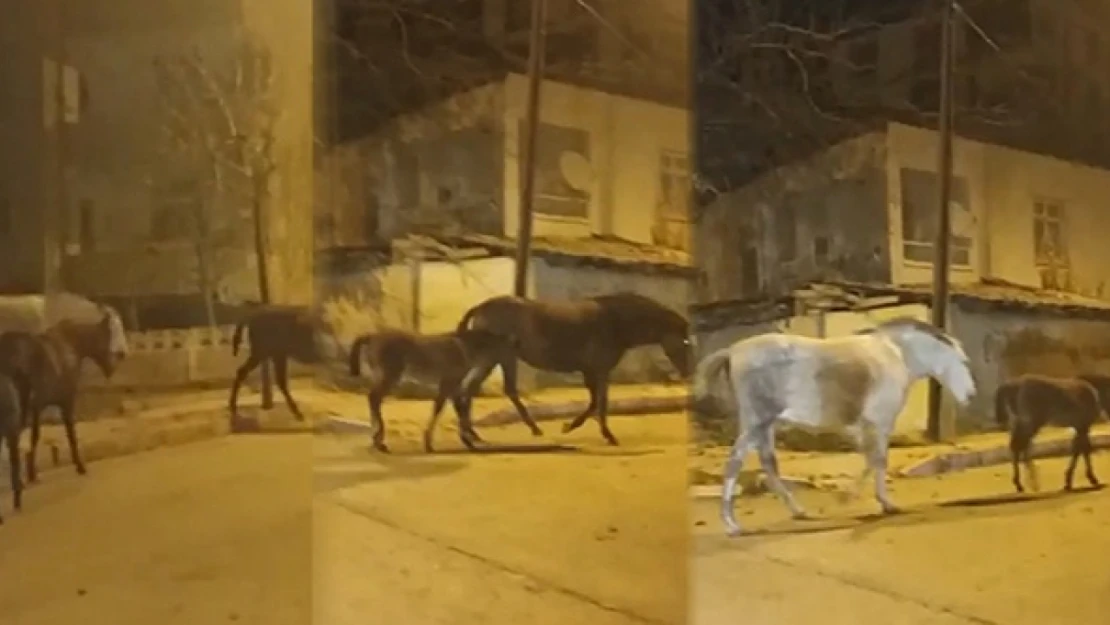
(37, 313)
(819, 383)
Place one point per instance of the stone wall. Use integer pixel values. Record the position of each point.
(1004, 344)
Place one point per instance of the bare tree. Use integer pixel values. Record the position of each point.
(220, 122)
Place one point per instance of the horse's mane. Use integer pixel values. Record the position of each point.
(626, 304)
(900, 323)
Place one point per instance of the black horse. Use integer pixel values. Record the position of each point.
(588, 336)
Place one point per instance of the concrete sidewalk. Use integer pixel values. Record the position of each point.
(834, 471)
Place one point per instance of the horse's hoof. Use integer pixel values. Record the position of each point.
(733, 531)
(890, 510)
(802, 515)
(612, 441)
(569, 427)
(537, 432)
(81, 470)
(382, 447)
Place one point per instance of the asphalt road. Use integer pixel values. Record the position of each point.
(293, 529)
(967, 551)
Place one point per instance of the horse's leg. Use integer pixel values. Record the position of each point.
(35, 418)
(467, 435)
(1076, 450)
(375, 398)
(1086, 449)
(281, 376)
(71, 435)
(508, 373)
(603, 409)
(12, 438)
(765, 444)
(241, 374)
(591, 385)
(740, 448)
(437, 409)
(875, 447)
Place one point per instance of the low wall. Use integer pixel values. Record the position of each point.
(1005, 344)
(176, 358)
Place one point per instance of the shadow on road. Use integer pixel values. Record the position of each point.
(956, 510)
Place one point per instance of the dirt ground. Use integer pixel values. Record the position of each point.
(296, 528)
(966, 551)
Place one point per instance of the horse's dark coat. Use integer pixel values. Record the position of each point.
(588, 336)
(46, 370)
(1029, 402)
(277, 333)
(444, 358)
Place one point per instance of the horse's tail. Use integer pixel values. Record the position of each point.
(237, 336)
(464, 323)
(354, 358)
(707, 377)
(1003, 404)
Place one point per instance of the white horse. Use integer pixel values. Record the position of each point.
(856, 384)
(37, 313)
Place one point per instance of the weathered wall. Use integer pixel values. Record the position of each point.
(438, 166)
(1006, 344)
(644, 364)
(1004, 184)
(624, 156)
(821, 218)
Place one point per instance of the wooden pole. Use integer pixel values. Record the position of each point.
(941, 255)
(528, 151)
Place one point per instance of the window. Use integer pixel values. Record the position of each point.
(1049, 246)
(919, 217)
(674, 185)
(564, 174)
(86, 225)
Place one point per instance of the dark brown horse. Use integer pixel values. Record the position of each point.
(1029, 402)
(589, 336)
(277, 334)
(11, 425)
(46, 369)
(442, 358)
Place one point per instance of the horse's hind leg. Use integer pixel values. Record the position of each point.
(765, 444)
(36, 425)
(591, 386)
(1086, 449)
(71, 436)
(241, 374)
(12, 438)
(281, 376)
(508, 374)
(603, 410)
(375, 398)
(466, 427)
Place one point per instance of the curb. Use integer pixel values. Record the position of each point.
(962, 460)
(625, 406)
(755, 485)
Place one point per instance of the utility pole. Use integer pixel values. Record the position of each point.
(528, 153)
(944, 226)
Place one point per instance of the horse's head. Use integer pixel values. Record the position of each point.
(111, 346)
(933, 353)
(679, 348)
